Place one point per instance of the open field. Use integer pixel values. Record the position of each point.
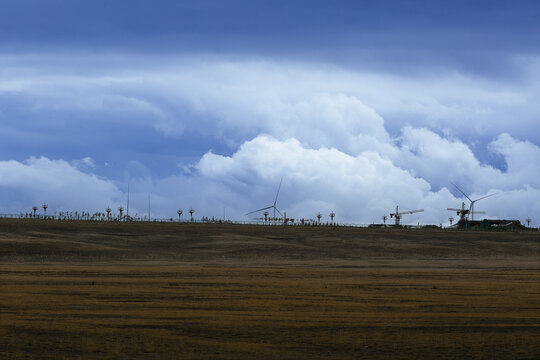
(168, 291)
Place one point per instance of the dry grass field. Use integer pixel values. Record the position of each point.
(192, 291)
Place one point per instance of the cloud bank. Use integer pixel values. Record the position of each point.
(352, 142)
(360, 188)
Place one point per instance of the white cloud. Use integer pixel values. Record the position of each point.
(522, 159)
(318, 104)
(356, 187)
(55, 182)
(363, 187)
(84, 163)
(441, 161)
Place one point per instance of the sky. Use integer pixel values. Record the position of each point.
(359, 106)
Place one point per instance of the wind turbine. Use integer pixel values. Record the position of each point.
(273, 206)
(397, 215)
(471, 208)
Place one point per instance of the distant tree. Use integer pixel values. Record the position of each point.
(34, 208)
(44, 206)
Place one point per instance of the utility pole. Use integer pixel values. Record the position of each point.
(127, 207)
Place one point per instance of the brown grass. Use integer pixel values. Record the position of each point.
(163, 291)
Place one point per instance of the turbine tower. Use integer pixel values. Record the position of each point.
(397, 215)
(471, 207)
(384, 218)
(273, 206)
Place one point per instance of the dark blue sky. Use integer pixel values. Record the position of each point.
(473, 35)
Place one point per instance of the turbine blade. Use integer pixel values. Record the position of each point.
(461, 191)
(453, 209)
(266, 208)
(279, 187)
(485, 197)
(279, 212)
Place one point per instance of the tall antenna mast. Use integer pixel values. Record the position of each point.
(127, 207)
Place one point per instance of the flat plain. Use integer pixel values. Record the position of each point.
(109, 290)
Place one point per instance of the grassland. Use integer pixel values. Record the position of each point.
(181, 291)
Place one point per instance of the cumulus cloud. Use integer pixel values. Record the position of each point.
(55, 182)
(84, 163)
(323, 179)
(365, 186)
(440, 160)
(522, 159)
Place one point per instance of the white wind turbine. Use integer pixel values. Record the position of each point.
(471, 207)
(273, 206)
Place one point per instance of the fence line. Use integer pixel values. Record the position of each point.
(125, 218)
